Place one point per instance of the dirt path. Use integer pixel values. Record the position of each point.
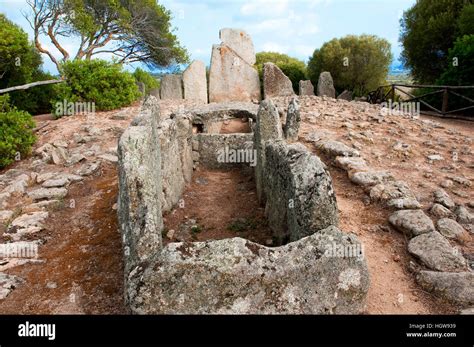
(393, 289)
(218, 204)
(83, 269)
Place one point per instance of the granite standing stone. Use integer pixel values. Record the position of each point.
(195, 82)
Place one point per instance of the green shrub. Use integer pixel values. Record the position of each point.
(16, 132)
(147, 79)
(97, 81)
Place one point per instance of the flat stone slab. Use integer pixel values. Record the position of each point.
(411, 222)
(436, 252)
(351, 163)
(8, 283)
(236, 276)
(370, 178)
(449, 228)
(48, 193)
(336, 148)
(455, 287)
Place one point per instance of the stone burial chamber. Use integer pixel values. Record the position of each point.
(305, 273)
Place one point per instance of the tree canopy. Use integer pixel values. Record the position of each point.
(132, 30)
(293, 68)
(356, 63)
(428, 30)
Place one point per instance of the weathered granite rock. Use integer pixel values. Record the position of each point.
(155, 92)
(336, 148)
(326, 85)
(306, 88)
(139, 203)
(195, 82)
(436, 252)
(275, 82)
(171, 87)
(351, 163)
(240, 42)
(48, 193)
(267, 128)
(345, 95)
(5, 216)
(293, 120)
(440, 211)
(411, 222)
(236, 276)
(463, 215)
(218, 151)
(8, 283)
(28, 223)
(441, 197)
(370, 178)
(404, 204)
(175, 136)
(299, 194)
(450, 228)
(232, 76)
(396, 194)
(457, 287)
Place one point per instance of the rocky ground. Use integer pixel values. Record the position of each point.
(62, 200)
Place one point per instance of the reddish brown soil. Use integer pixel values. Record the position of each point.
(83, 257)
(233, 126)
(224, 204)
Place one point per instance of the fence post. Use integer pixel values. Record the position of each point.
(392, 93)
(444, 107)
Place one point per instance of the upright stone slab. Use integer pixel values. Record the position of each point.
(293, 120)
(275, 82)
(232, 76)
(155, 92)
(267, 127)
(141, 88)
(306, 88)
(326, 85)
(171, 87)
(240, 42)
(195, 82)
(345, 95)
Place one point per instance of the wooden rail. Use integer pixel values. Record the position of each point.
(383, 95)
(29, 85)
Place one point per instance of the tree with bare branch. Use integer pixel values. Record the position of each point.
(131, 30)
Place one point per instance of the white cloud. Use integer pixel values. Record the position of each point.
(264, 7)
(275, 47)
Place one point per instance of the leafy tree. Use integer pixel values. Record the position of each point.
(20, 64)
(16, 132)
(19, 60)
(356, 63)
(293, 68)
(132, 30)
(429, 30)
(147, 79)
(98, 81)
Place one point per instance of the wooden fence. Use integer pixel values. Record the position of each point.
(388, 92)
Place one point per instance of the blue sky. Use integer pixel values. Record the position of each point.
(294, 27)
